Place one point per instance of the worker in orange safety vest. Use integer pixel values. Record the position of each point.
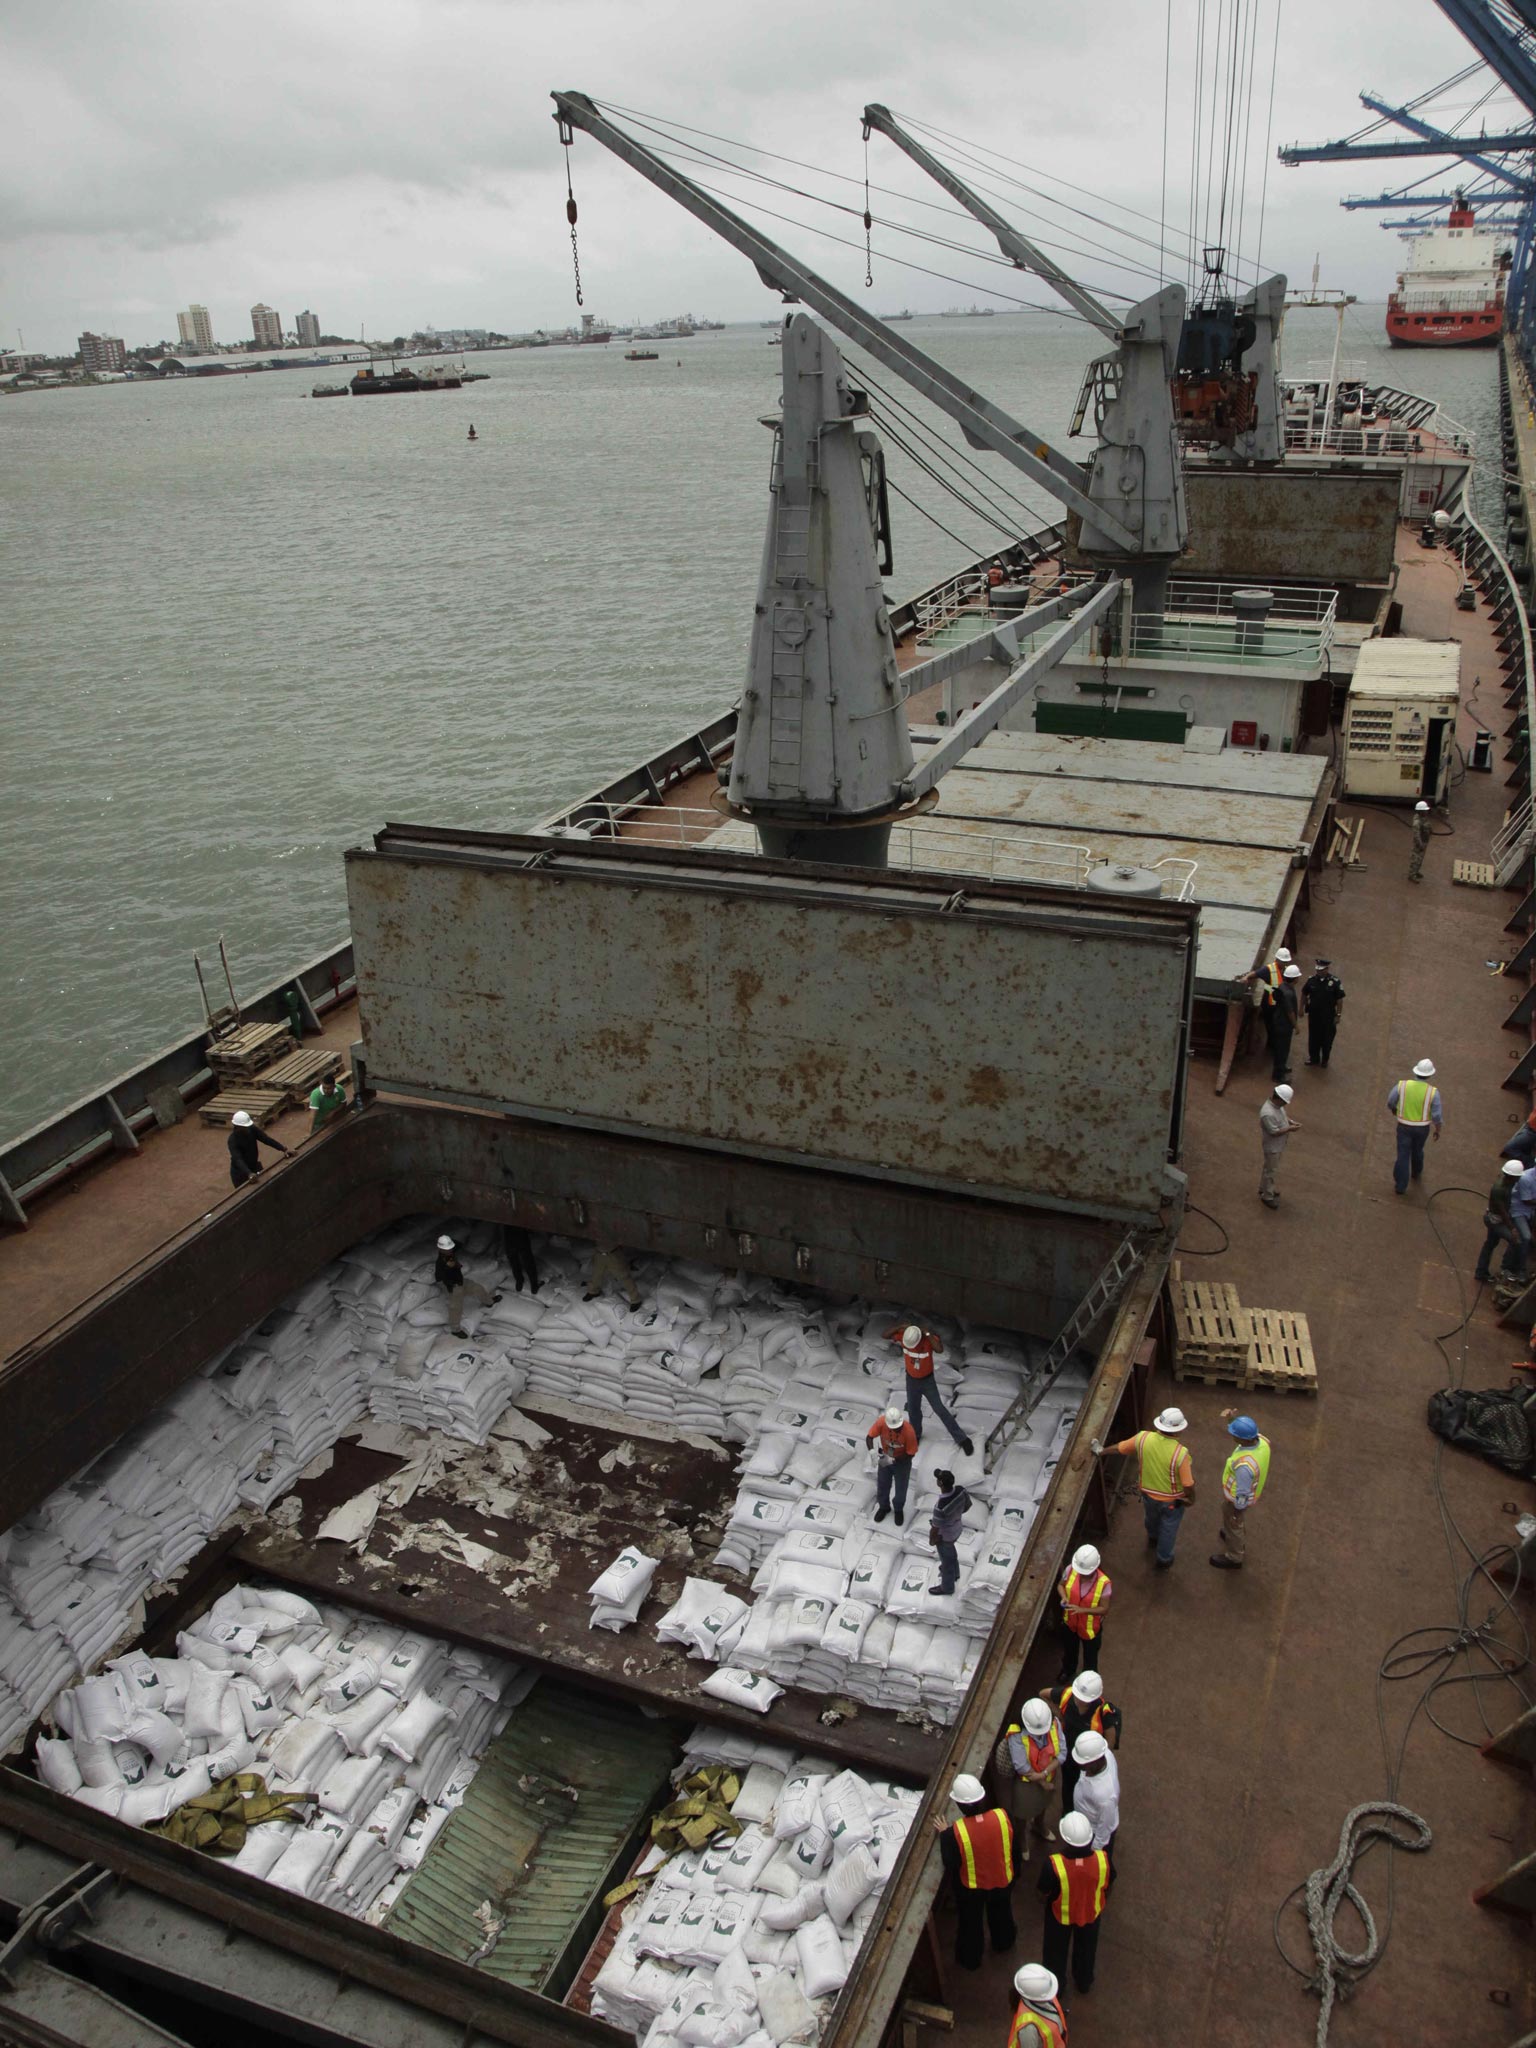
(978, 1855)
(1029, 1760)
(1075, 1883)
(1085, 1590)
(1039, 2021)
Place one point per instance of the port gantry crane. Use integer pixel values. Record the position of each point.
(823, 763)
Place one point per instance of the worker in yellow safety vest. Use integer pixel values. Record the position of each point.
(1085, 1591)
(1242, 1482)
(1039, 2021)
(1166, 1477)
(1419, 1111)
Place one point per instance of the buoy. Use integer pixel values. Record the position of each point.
(473, 435)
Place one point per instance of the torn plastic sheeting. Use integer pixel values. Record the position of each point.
(352, 1523)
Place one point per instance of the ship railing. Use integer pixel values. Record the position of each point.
(1232, 642)
(1178, 878)
(1306, 601)
(946, 603)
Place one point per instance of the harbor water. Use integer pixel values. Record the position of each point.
(247, 627)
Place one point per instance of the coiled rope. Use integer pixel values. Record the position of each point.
(1340, 1969)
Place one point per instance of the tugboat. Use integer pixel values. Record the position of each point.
(328, 391)
(640, 355)
(368, 383)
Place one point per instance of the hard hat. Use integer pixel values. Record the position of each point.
(1036, 1716)
(1089, 1747)
(241, 1120)
(967, 1791)
(1244, 1428)
(1425, 1070)
(1292, 973)
(1513, 1168)
(912, 1336)
(1421, 806)
(1283, 955)
(1034, 1983)
(893, 1415)
(1087, 1687)
(1171, 1421)
(1284, 1091)
(445, 1244)
(1076, 1829)
(1085, 1558)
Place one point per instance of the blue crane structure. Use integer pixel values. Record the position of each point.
(1503, 34)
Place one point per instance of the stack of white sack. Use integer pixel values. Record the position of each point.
(619, 1593)
(380, 1728)
(705, 1619)
(453, 1385)
(752, 1939)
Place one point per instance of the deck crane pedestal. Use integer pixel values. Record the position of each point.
(823, 764)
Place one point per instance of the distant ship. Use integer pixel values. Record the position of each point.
(905, 314)
(967, 313)
(1451, 295)
(370, 383)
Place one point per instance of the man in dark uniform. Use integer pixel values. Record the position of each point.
(1321, 1001)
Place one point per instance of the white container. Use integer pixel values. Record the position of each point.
(1400, 719)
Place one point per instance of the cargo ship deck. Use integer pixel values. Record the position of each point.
(1249, 1699)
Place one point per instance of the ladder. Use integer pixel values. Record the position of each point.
(1512, 843)
(1108, 1285)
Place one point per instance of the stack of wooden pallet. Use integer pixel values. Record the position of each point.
(275, 1089)
(1218, 1341)
(241, 1054)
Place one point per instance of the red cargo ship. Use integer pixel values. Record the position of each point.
(1452, 293)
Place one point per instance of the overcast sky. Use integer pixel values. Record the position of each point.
(393, 163)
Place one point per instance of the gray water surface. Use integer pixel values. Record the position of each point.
(246, 627)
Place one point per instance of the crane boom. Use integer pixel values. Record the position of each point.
(984, 424)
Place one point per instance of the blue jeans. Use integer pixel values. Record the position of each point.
(901, 1468)
(1411, 1140)
(926, 1389)
(949, 1565)
(1162, 1519)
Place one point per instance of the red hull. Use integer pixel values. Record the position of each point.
(1445, 330)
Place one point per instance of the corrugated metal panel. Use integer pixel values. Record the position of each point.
(539, 1867)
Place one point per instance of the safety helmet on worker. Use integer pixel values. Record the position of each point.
(1076, 1830)
(1283, 955)
(967, 1791)
(912, 1336)
(1089, 1747)
(241, 1120)
(445, 1243)
(1244, 1428)
(1171, 1422)
(1514, 1168)
(1284, 1092)
(1035, 1984)
(1085, 1558)
(1036, 1716)
(1421, 805)
(1292, 973)
(893, 1414)
(1425, 1070)
(1087, 1687)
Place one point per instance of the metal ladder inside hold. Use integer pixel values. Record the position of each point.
(1109, 1284)
(1512, 843)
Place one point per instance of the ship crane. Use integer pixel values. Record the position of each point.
(823, 763)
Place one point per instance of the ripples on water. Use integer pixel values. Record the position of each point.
(247, 627)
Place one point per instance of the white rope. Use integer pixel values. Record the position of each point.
(1339, 1969)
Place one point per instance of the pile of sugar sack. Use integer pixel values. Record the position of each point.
(383, 1727)
(748, 1943)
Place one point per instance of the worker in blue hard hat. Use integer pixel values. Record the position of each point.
(1242, 1482)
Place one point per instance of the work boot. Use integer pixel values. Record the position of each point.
(1226, 1564)
(901, 1516)
(941, 1592)
(1270, 1201)
(968, 1447)
(881, 1513)
(1164, 1564)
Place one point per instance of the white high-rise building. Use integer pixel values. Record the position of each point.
(307, 327)
(267, 327)
(196, 331)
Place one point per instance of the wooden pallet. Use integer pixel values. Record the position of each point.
(1211, 1337)
(262, 1105)
(1473, 874)
(1212, 1372)
(301, 1071)
(1281, 1360)
(242, 1053)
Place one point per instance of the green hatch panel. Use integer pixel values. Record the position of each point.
(1101, 722)
(542, 1868)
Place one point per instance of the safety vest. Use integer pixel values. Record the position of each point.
(1413, 1100)
(1049, 2024)
(1083, 1882)
(1270, 980)
(985, 1842)
(1255, 1455)
(1042, 1755)
(1096, 1719)
(920, 1361)
(1073, 1595)
(1161, 1457)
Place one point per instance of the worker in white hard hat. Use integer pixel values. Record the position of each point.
(244, 1137)
(1423, 830)
(1085, 1591)
(1081, 1707)
(449, 1274)
(1280, 1020)
(1419, 1111)
(1039, 2021)
(1028, 1760)
(1275, 1127)
(918, 1349)
(1501, 1228)
(1166, 1476)
(1096, 1794)
(978, 1855)
(1268, 984)
(1074, 1883)
(894, 1442)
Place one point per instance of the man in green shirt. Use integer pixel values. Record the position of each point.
(326, 1100)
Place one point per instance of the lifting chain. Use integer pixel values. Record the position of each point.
(567, 137)
(869, 263)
